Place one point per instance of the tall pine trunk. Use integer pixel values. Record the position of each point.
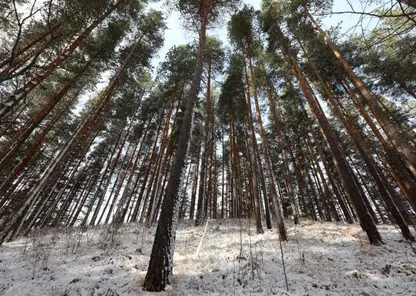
(7, 105)
(159, 273)
(396, 138)
(252, 147)
(269, 171)
(341, 164)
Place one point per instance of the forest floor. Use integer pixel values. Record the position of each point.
(320, 259)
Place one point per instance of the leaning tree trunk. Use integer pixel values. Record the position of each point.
(304, 209)
(341, 164)
(280, 134)
(264, 194)
(202, 192)
(159, 273)
(381, 182)
(321, 182)
(79, 137)
(270, 177)
(404, 180)
(127, 195)
(31, 150)
(24, 132)
(252, 149)
(389, 127)
(135, 213)
(7, 105)
(29, 45)
(156, 197)
(325, 160)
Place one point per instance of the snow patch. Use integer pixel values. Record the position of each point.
(321, 259)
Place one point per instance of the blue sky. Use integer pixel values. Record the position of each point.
(176, 34)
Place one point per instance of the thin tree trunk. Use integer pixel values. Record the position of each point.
(23, 133)
(159, 273)
(28, 46)
(31, 150)
(300, 181)
(223, 188)
(264, 191)
(109, 177)
(184, 195)
(404, 180)
(252, 150)
(135, 214)
(270, 178)
(385, 122)
(166, 143)
(128, 191)
(79, 137)
(348, 182)
(7, 105)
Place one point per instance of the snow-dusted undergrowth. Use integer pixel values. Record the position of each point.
(321, 259)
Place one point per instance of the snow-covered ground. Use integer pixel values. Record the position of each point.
(320, 258)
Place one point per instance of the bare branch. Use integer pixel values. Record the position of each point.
(369, 14)
(20, 24)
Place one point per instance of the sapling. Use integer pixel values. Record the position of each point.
(40, 250)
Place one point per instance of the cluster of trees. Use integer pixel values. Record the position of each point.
(288, 120)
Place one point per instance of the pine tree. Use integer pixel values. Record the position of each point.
(159, 274)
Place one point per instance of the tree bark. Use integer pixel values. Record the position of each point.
(269, 171)
(385, 122)
(341, 164)
(7, 105)
(252, 150)
(159, 273)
